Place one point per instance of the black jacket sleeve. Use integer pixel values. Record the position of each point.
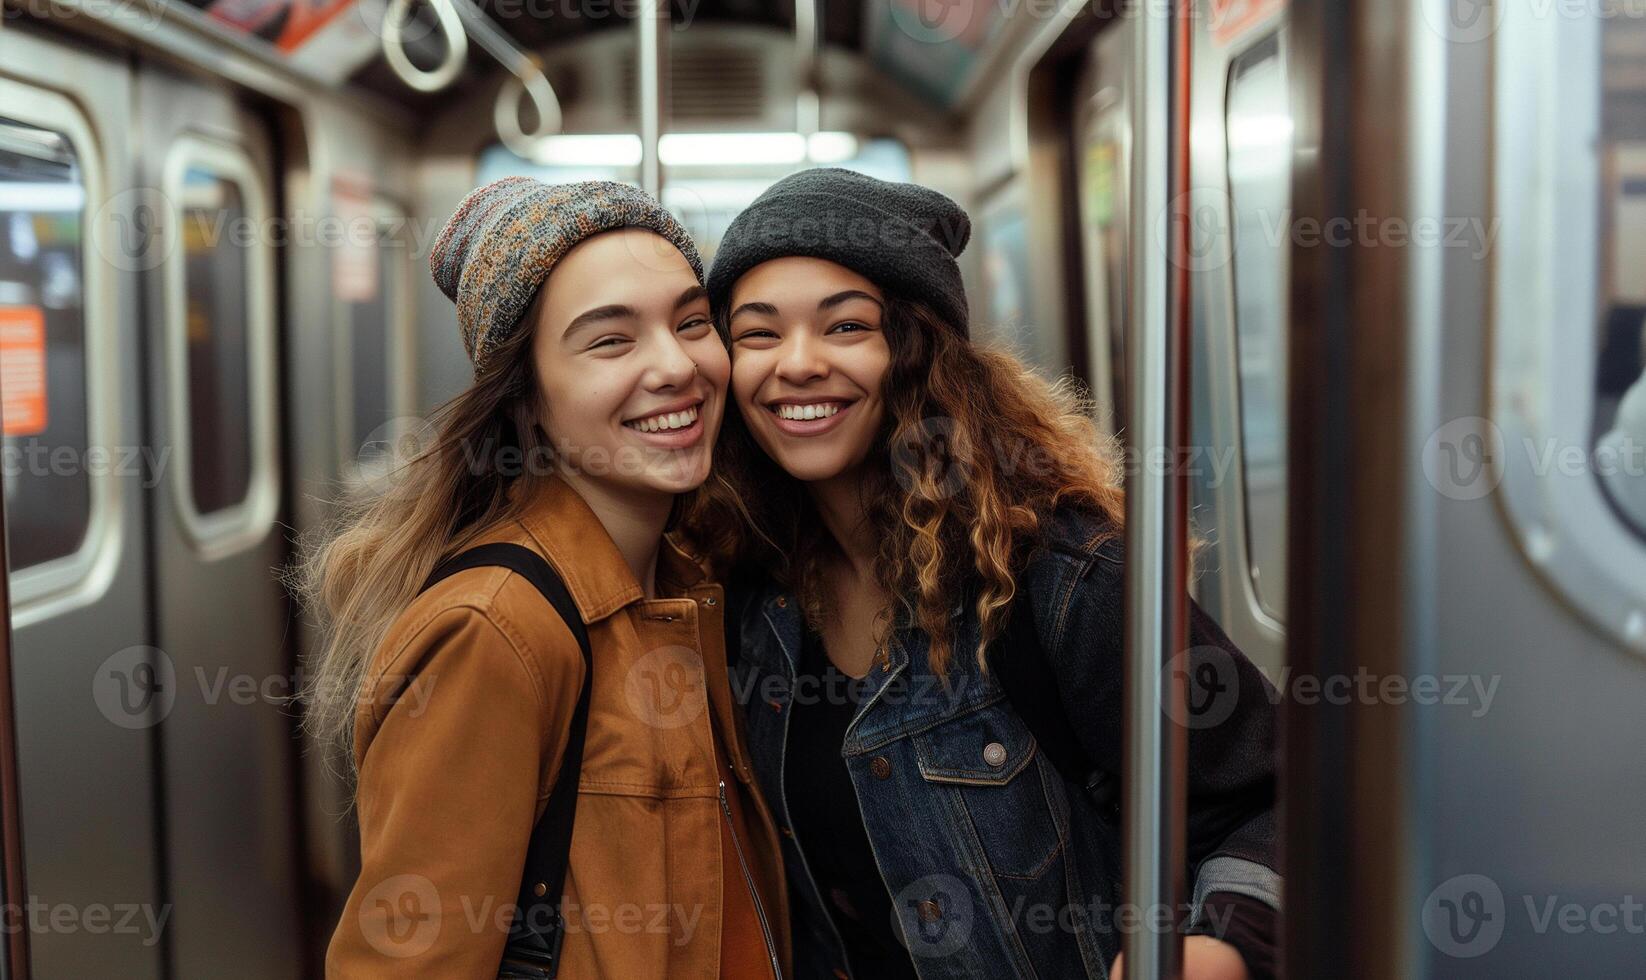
(1230, 718)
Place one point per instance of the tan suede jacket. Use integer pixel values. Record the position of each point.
(675, 867)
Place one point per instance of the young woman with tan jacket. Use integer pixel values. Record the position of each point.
(599, 388)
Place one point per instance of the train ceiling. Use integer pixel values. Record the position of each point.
(336, 40)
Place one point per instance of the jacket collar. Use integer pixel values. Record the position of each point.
(574, 541)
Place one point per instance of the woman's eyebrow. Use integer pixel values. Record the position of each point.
(763, 308)
(691, 295)
(845, 295)
(598, 315)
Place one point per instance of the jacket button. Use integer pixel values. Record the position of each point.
(540, 889)
(929, 911)
(786, 831)
(777, 705)
(881, 767)
(994, 754)
(782, 601)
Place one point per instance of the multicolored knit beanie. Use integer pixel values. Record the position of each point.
(504, 238)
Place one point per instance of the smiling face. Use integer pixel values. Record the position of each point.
(631, 370)
(809, 359)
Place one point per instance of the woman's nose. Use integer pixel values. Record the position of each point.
(672, 365)
(801, 359)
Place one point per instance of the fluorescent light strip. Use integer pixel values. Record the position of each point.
(697, 149)
(20, 196)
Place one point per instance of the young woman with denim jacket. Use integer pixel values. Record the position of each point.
(895, 495)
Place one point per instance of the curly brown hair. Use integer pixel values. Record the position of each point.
(975, 453)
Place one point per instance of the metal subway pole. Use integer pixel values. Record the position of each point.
(651, 24)
(808, 107)
(1157, 500)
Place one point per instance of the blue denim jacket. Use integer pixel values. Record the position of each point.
(996, 865)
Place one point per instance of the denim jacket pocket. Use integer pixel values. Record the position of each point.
(986, 764)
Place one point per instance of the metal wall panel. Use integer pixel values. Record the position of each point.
(87, 766)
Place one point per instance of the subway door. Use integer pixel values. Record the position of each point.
(1466, 478)
(1531, 503)
(83, 673)
(223, 628)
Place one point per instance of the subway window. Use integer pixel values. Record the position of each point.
(1567, 439)
(1259, 153)
(1619, 429)
(375, 313)
(371, 310)
(215, 331)
(1102, 188)
(220, 384)
(43, 355)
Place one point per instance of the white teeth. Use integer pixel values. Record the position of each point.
(803, 412)
(666, 421)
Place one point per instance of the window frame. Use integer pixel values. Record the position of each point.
(51, 588)
(1564, 525)
(1240, 62)
(243, 525)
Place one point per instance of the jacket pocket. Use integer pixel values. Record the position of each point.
(986, 761)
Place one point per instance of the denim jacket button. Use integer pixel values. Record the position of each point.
(782, 601)
(881, 767)
(994, 754)
(929, 911)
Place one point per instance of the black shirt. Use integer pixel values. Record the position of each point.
(828, 825)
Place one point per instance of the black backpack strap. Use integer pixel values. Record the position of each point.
(1020, 664)
(538, 928)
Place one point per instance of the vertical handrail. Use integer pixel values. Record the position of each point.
(808, 104)
(653, 76)
(1157, 497)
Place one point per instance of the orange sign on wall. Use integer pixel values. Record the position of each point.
(284, 23)
(23, 370)
(1232, 18)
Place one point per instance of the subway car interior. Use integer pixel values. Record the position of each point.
(1369, 276)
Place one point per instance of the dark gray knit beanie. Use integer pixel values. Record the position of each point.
(902, 237)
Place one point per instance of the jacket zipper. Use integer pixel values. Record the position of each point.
(748, 879)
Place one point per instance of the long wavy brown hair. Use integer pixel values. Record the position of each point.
(975, 453)
(357, 573)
